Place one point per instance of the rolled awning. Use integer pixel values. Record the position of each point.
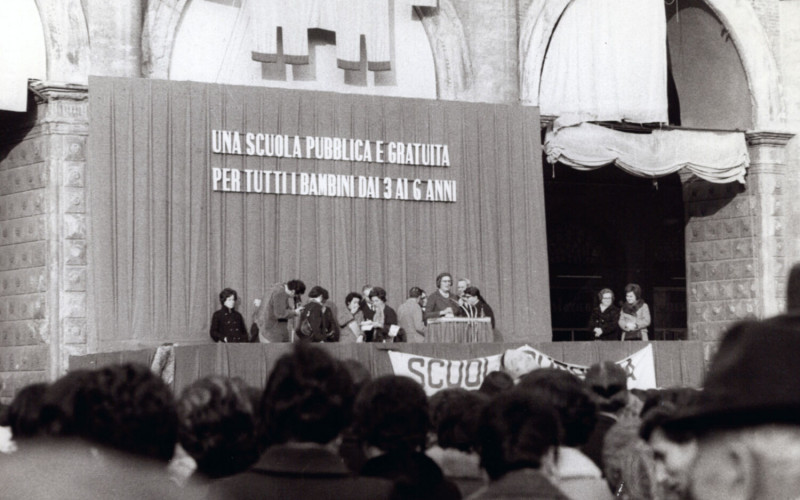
(717, 157)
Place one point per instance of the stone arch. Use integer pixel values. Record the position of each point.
(451, 56)
(442, 26)
(749, 38)
(66, 36)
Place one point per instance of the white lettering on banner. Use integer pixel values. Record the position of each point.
(435, 374)
(331, 185)
(229, 142)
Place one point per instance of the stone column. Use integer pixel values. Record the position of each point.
(767, 181)
(64, 122)
(734, 243)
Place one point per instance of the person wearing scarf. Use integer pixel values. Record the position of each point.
(635, 315)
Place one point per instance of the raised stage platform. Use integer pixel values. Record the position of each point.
(678, 363)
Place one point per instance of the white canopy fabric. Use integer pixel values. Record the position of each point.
(607, 61)
(717, 157)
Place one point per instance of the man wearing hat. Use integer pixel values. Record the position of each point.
(747, 419)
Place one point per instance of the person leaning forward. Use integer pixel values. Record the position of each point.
(272, 315)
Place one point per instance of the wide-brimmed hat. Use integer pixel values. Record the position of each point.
(754, 378)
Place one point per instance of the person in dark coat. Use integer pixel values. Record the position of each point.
(385, 324)
(317, 322)
(391, 419)
(604, 321)
(227, 324)
(306, 404)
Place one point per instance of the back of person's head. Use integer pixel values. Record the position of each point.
(455, 414)
(567, 394)
(123, 407)
(297, 286)
(23, 415)
(608, 386)
(358, 372)
(378, 292)
(793, 289)
(391, 413)
(496, 382)
(227, 292)
(415, 292)
(627, 462)
(317, 291)
(217, 425)
(308, 398)
(516, 431)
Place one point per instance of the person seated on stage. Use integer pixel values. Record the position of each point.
(604, 321)
(350, 319)
(217, 428)
(384, 323)
(316, 322)
(273, 316)
(227, 324)
(409, 315)
(518, 442)
(391, 419)
(474, 306)
(442, 303)
(307, 402)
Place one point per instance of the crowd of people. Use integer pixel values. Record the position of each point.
(282, 316)
(326, 428)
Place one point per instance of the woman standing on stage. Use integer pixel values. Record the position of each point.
(442, 302)
(227, 324)
(604, 321)
(635, 316)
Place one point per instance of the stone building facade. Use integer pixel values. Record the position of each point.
(740, 240)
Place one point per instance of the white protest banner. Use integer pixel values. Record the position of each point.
(640, 366)
(435, 374)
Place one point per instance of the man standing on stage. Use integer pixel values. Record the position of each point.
(273, 315)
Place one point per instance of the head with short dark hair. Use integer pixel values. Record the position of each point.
(455, 414)
(636, 289)
(608, 386)
(227, 292)
(24, 411)
(378, 292)
(605, 291)
(318, 291)
(496, 382)
(124, 407)
(218, 426)
(351, 296)
(516, 431)
(473, 291)
(441, 277)
(297, 286)
(568, 395)
(308, 397)
(391, 413)
(793, 289)
(415, 292)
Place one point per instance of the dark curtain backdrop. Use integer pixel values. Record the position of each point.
(163, 244)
